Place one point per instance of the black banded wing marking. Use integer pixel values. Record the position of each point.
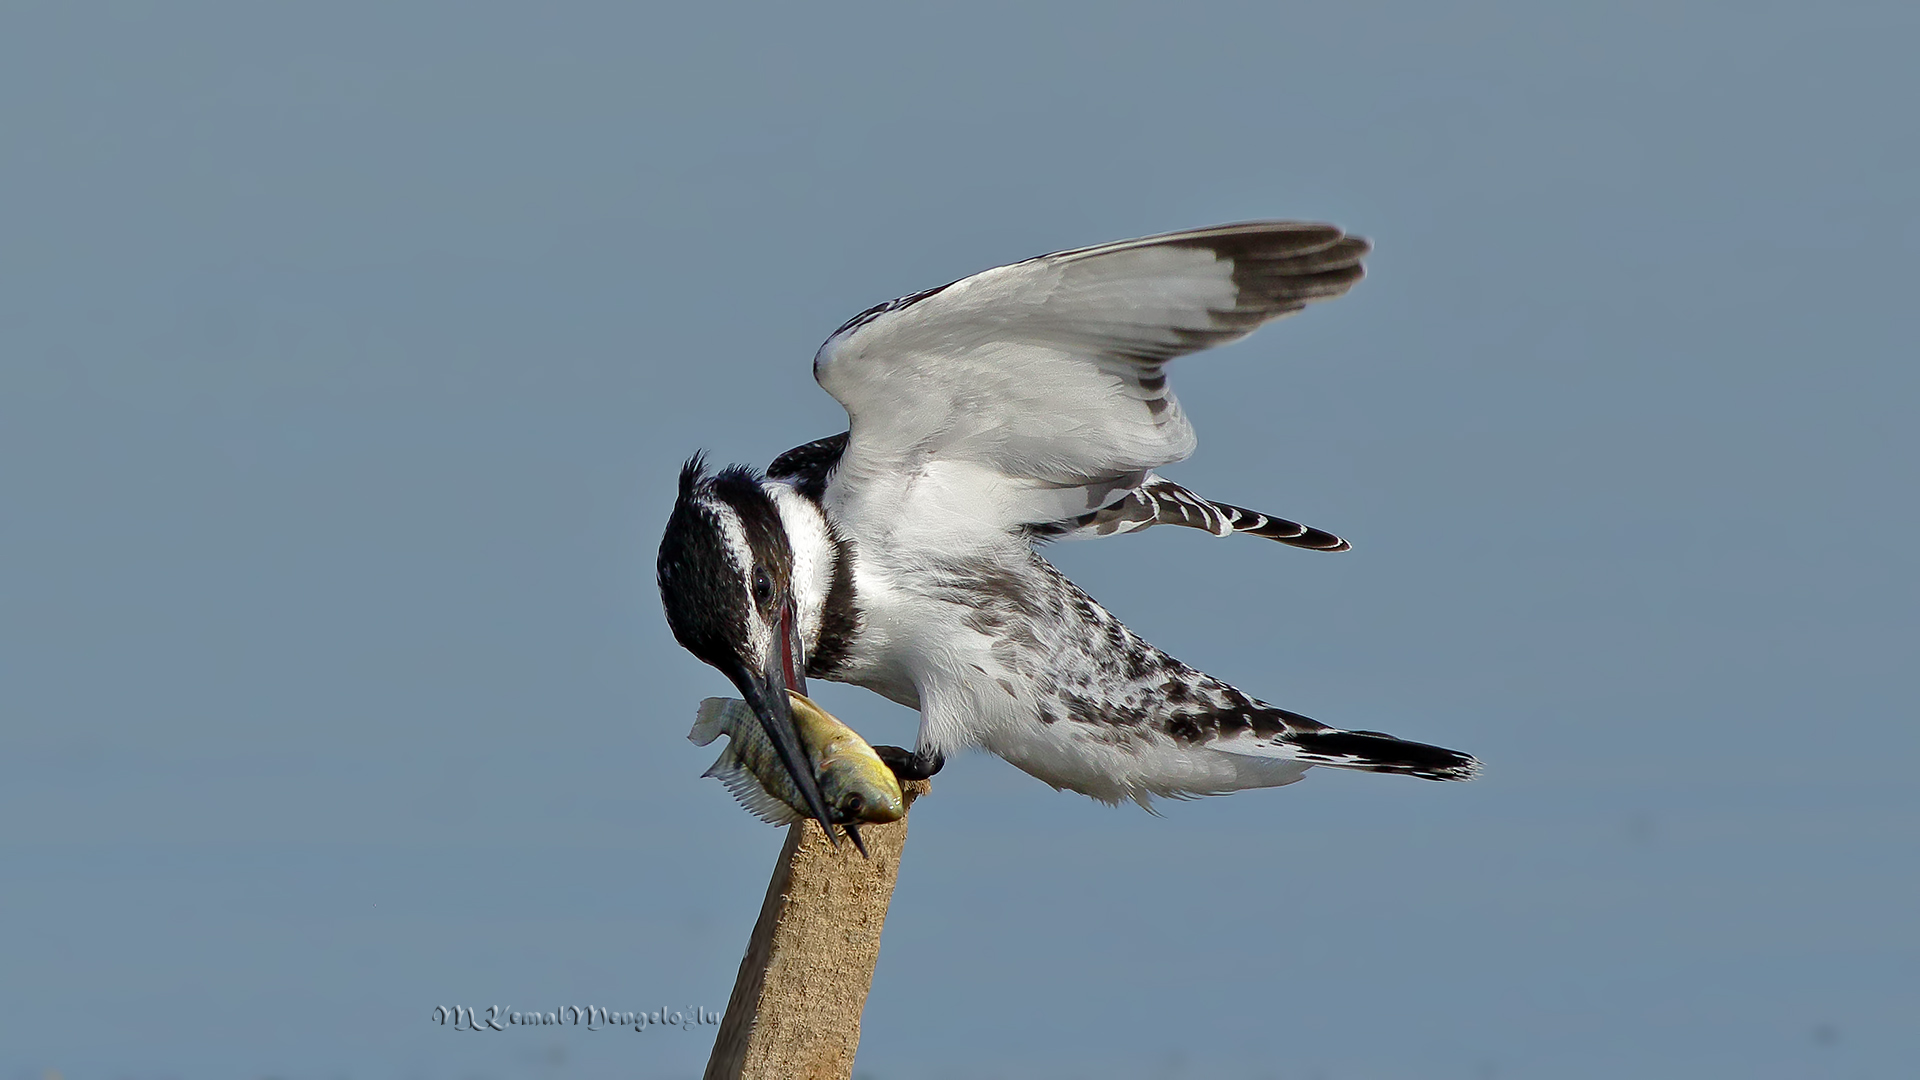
(1279, 267)
(1163, 502)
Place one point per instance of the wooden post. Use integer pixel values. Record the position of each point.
(795, 1009)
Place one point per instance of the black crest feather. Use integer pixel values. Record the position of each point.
(694, 471)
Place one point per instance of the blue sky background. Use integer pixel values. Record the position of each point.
(348, 352)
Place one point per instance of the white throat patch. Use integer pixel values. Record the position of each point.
(814, 555)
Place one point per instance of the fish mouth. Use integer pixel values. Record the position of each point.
(765, 686)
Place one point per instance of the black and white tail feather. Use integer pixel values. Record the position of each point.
(1376, 751)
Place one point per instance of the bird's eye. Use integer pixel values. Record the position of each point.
(762, 586)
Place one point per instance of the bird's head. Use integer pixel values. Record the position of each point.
(727, 582)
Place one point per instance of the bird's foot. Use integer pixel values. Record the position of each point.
(909, 764)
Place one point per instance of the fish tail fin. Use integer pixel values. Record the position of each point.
(710, 722)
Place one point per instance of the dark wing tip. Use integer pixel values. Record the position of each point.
(1280, 278)
(1279, 267)
(1305, 537)
(1291, 533)
(1309, 243)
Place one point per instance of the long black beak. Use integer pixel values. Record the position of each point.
(765, 689)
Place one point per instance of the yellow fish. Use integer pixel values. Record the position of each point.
(857, 785)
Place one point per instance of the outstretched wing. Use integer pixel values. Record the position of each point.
(1037, 392)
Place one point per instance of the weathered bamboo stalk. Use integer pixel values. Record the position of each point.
(795, 1009)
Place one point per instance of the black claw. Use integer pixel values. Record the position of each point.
(910, 765)
(895, 758)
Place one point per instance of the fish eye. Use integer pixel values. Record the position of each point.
(856, 803)
(762, 586)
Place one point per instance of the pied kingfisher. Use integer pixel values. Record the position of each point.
(1022, 404)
